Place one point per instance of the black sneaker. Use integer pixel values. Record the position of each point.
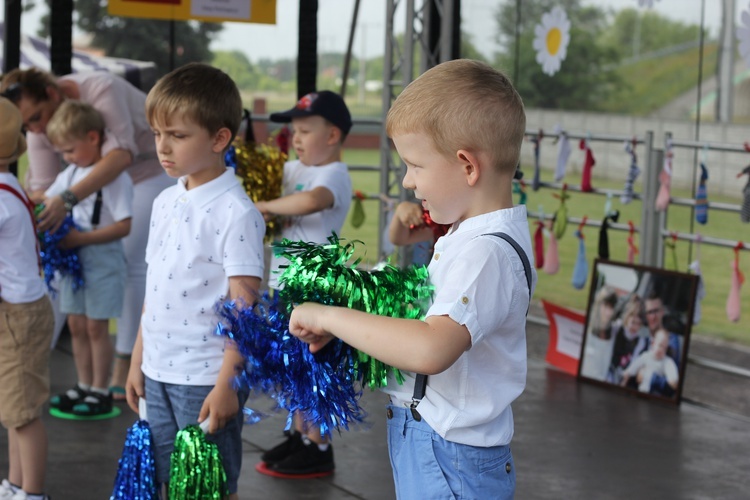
(307, 460)
(68, 399)
(279, 452)
(94, 404)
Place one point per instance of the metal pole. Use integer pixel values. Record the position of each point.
(725, 93)
(725, 68)
(171, 44)
(446, 31)
(650, 230)
(348, 58)
(61, 37)
(516, 61)
(12, 46)
(12, 42)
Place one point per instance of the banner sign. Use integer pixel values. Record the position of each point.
(565, 337)
(215, 11)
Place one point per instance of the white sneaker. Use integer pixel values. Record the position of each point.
(6, 492)
(21, 495)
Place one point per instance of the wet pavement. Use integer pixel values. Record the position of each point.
(573, 440)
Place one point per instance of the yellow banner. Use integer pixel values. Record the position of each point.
(215, 11)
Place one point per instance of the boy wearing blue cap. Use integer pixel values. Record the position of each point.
(317, 193)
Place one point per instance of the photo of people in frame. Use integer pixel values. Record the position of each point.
(638, 329)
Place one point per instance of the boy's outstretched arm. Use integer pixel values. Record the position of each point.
(427, 347)
(221, 404)
(302, 203)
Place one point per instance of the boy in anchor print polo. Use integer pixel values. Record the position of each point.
(205, 244)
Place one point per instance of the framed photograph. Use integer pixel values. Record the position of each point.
(637, 329)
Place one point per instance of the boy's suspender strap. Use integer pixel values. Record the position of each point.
(524, 259)
(97, 214)
(30, 208)
(420, 383)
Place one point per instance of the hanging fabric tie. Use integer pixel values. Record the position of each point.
(519, 188)
(588, 166)
(282, 139)
(632, 247)
(733, 300)
(537, 168)
(563, 153)
(633, 172)
(701, 195)
(665, 179)
(551, 256)
(695, 268)
(539, 244)
(358, 210)
(670, 243)
(745, 208)
(581, 268)
(613, 216)
(560, 220)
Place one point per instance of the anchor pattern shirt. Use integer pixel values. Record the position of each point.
(197, 240)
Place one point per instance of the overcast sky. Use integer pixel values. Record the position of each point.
(334, 18)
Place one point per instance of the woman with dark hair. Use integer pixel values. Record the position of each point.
(128, 147)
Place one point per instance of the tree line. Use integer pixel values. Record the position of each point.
(603, 42)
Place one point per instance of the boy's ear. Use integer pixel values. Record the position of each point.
(94, 136)
(53, 94)
(222, 139)
(334, 136)
(471, 165)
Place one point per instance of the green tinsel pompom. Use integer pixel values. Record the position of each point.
(196, 471)
(328, 274)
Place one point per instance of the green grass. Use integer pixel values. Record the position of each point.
(650, 84)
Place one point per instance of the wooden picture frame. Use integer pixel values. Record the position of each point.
(637, 331)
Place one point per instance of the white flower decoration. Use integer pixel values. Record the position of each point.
(743, 35)
(551, 39)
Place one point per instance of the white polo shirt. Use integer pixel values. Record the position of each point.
(20, 282)
(480, 282)
(316, 227)
(197, 240)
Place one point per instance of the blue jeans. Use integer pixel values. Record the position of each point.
(427, 466)
(171, 407)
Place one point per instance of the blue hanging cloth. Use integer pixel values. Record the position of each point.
(581, 268)
(701, 198)
(536, 183)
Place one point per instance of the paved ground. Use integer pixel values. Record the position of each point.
(573, 440)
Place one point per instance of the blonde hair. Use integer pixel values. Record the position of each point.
(200, 93)
(463, 104)
(634, 307)
(74, 120)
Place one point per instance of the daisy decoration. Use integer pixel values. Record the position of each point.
(551, 38)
